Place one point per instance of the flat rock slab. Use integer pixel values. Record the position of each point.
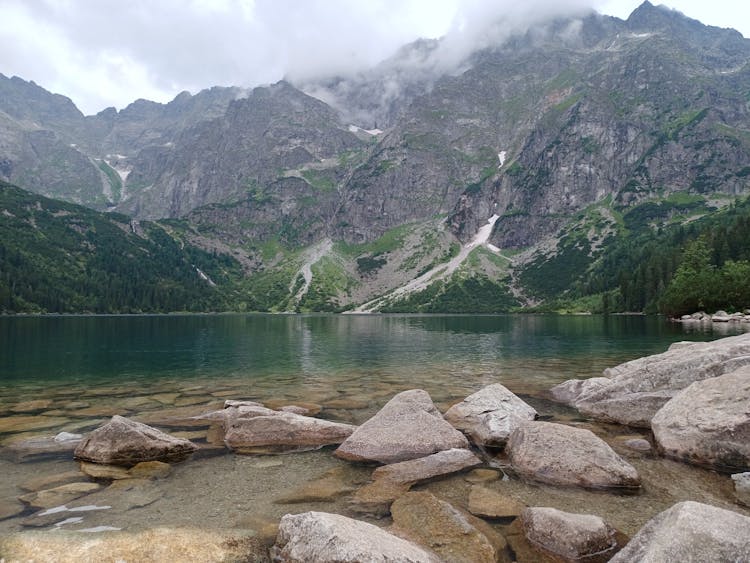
(59, 495)
(571, 537)
(488, 416)
(392, 481)
(126, 442)
(319, 536)
(452, 534)
(489, 503)
(708, 423)
(10, 508)
(409, 426)
(562, 455)
(275, 432)
(26, 423)
(632, 392)
(690, 532)
(159, 544)
(333, 484)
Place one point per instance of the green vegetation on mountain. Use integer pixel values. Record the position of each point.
(57, 257)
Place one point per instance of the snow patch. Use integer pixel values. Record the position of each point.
(372, 132)
(204, 277)
(493, 248)
(501, 157)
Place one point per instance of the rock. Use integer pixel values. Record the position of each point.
(489, 503)
(742, 487)
(489, 416)
(59, 495)
(708, 423)
(482, 475)
(572, 537)
(690, 532)
(278, 404)
(126, 442)
(150, 470)
(651, 379)
(407, 427)
(563, 455)
(319, 536)
(277, 432)
(40, 447)
(26, 423)
(101, 471)
(158, 544)
(633, 409)
(10, 508)
(329, 486)
(51, 481)
(452, 534)
(126, 494)
(637, 444)
(31, 406)
(392, 481)
(68, 437)
(681, 344)
(295, 409)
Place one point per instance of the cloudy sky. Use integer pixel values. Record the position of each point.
(106, 53)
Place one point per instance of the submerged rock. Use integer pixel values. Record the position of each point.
(159, 544)
(632, 392)
(690, 532)
(253, 430)
(562, 455)
(333, 484)
(489, 503)
(451, 533)
(489, 416)
(708, 423)
(571, 537)
(59, 495)
(407, 427)
(10, 508)
(319, 536)
(126, 442)
(392, 481)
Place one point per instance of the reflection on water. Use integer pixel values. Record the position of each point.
(72, 373)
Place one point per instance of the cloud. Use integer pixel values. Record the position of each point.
(110, 52)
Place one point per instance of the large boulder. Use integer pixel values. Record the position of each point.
(407, 427)
(571, 537)
(451, 533)
(708, 423)
(489, 416)
(392, 481)
(261, 430)
(690, 532)
(319, 536)
(562, 455)
(126, 442)
(632, 392)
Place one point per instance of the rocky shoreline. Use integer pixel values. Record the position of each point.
(693, 400)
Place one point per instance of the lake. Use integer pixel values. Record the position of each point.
(72, 373)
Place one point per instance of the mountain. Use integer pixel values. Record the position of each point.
(499, 181)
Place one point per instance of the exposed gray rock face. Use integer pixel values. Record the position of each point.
(636, 390)
(261, 430)
(407, 427)
(690, 532)
(708, 423)
(742, 487)
(392, 481)
(488, 416)
(573, 537)
(125, 442)
(319, 536)
(563, 455)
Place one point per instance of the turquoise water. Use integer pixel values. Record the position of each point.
(104, 348)
(72, 373)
